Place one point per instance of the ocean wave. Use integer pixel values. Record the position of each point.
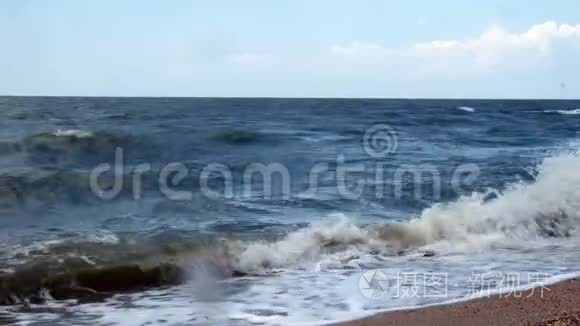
(74, 146)
(466, 109)
(76, 133)
(84, 285)
(564, 112)
(94, 269)
(524, 215)
(40, 188)
(235, 136)
(547, 208)
(527, 214)
(308, 246)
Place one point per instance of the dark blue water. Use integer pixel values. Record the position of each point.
(50, 146)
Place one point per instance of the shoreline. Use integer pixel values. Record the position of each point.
(559, 305)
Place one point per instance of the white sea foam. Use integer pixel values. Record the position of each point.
(73, 133)
(318, 297)
(307, 247)
(318, 268)
(99, 237)
(510, 291)
(524, 215)
(466, 109)
(565, 112)
(547, 207)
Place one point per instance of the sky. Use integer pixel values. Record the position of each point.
(291, 48)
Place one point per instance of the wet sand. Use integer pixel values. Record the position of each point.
(559, 305)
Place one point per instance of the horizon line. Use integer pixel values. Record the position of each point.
(298, 98)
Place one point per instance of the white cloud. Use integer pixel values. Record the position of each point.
(493, 47)
(497, 44)
(360, 50)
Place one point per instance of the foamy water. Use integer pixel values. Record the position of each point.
(325, 293)
(565, 112)
(466, 109)
(312, 275)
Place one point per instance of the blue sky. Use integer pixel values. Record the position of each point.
(338, 48)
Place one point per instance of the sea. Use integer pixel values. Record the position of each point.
(273, 211)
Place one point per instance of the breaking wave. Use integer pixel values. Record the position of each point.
(94, 269)
(565, 112)
(466, 109)
(545, 209)
(548, 207)
(76, 133)
(525, 213)
(75, 146)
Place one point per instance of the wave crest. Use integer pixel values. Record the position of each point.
(547, 208)
(564, 112)
(466, 109)
(525, 213)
